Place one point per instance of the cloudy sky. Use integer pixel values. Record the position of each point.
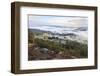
(63, 21)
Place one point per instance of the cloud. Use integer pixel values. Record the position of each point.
(37, 20)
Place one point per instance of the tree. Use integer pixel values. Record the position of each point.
(31, 37)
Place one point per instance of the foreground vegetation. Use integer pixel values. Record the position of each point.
(56, 50)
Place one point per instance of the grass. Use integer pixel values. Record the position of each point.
(72, 47)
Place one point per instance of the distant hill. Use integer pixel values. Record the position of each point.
(38, 31)
(81, 29)
(78, 34)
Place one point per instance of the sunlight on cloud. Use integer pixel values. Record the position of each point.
(68, 21)
(78, 22)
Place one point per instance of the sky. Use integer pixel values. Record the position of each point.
(61, 21)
